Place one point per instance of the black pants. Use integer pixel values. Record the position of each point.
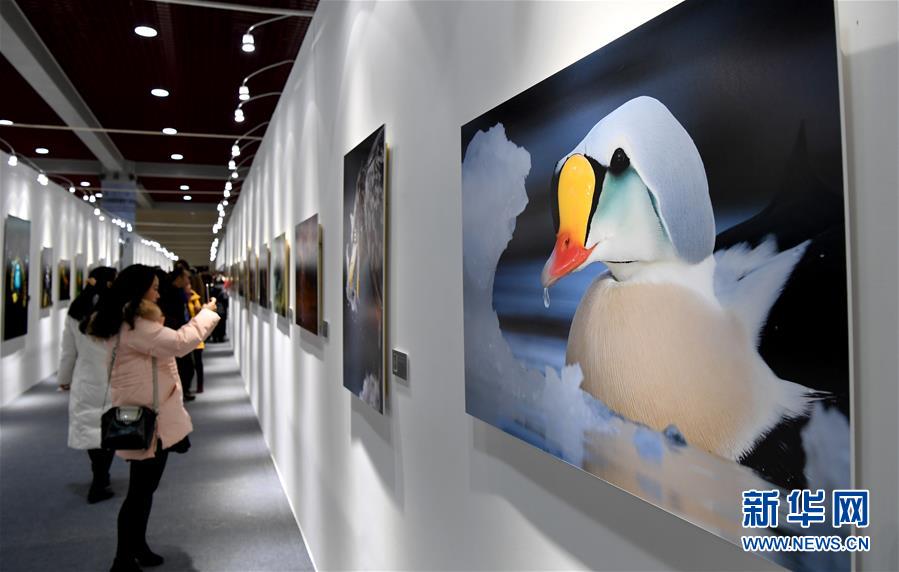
(198, 367)
(101, 460)
(186, 371)
(135, 512)
(218, 334)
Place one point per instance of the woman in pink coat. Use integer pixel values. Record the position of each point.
(131, 323)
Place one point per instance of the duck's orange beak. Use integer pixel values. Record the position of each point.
(577, 185)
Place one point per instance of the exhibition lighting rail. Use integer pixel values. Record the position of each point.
(238, 113)
(243, 92)
(126, 131)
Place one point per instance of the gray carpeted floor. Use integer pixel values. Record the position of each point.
(219, 507)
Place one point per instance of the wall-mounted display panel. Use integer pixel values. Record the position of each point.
(654, 262)
(252, 275)
(46, 277)
(16, 248)
(264, 269)
(364, 240)
(80, 274)
(64, 275)
(281, 275)
(308, 268)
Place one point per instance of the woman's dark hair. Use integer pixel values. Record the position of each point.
(83, 306)
(122, 302)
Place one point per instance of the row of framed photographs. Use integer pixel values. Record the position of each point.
(16, 277)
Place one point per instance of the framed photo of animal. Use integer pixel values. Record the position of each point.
(281, 274)
(16, 249)
(651, 237)
(265, 258)
(64, 274)
(46, 277)
(80, 263)
(364, 288)
(308, 269)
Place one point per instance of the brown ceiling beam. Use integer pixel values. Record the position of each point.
(239, 7)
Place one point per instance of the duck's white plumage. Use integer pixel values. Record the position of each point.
(671, 337)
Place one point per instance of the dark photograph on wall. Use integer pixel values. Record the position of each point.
(252, 276)
(64, 275)
(264, 267)
(308, 273)
(79, 274)
(280, 275)
(655, 281)
(364, 245)
(16, 246)
(241, 277)
(46, 277)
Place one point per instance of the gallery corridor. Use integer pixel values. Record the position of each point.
(219, 507)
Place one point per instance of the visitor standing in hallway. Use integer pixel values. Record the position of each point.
(82, 372)
(195, 290)
(173, 302)
(143, 353)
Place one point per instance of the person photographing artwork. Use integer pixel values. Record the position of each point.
(131, 323)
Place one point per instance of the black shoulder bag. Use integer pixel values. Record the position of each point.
(128, 427)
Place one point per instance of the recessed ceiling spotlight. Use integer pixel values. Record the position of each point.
(145, 31)
(41, 150)
(234, 174)
(235, 150)
(5, 122)
(102, 218)
(92, 199)
(232, 165)
(71, 189)
(187, 197)
(225, 202)
(96, 212)
(42, 179)
(13, 161)
(243, 93)
(177, 156)
(99, 195)
(84, 197)
(184, 187)
(169, 130)
(228, 186)
(85, 183)
(227, 194)
(159, 92)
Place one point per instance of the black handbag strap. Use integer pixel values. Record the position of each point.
(115, 349)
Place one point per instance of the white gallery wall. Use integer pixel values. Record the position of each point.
(426, 486)
(67, 225)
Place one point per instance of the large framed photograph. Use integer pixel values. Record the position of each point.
(80, 274)
(308, 269)
(655, 275)
(46, 277)
(281, 274)
(364, 242)
(264, 269)
(64, 276)
(16, 248)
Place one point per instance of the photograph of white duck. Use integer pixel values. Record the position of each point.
(655, 341)
(655, 276)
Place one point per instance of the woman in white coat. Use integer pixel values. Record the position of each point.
(83, 366)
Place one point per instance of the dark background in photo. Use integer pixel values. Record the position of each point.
(363, 330)
(308, 272)
(16, 248)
